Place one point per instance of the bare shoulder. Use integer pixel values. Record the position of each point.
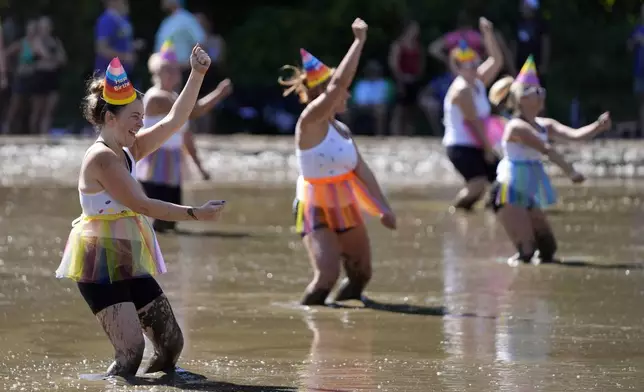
(158, 102)
(99, 157)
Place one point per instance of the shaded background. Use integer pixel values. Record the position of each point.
(590, 59)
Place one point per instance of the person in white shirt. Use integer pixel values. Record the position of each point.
(183, 29)
(466, 109)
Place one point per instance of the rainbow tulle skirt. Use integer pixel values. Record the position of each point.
(524, 183)
(164, 166)
(111, 248)
(335, 202)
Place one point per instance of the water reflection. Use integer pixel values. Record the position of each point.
(341, 354)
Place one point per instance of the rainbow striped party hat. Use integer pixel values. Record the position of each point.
(316, 71)
(528, 73)
(463, 53)
(167, 52)
(117, 90)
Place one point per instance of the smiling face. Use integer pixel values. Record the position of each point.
(123, 122)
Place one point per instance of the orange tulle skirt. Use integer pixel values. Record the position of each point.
(335, 202)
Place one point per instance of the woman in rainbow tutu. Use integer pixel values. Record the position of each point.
(112, 252)
(335, 183)
(522, 188)
(469, 128)
(162, 172)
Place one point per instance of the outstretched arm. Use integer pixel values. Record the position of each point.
(491, 67)
(150, 139)
(566, 133)
(207, 103)
(321, 108)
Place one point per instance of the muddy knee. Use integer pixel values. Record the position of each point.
(546, 244)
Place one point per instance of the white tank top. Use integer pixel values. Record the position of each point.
(455, 132)
(513, 151)
(176, 140)
(102, 203)
(334, 156)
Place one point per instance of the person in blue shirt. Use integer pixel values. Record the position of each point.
(183, 29)
(114, 38)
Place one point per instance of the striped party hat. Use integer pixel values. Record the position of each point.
(463, 53)
(316, 71)
(167, 52)
(528, 73)
(117, 90)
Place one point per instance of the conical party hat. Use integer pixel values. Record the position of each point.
(167, 52)
(316, 71)
(463, 53)
(117, 90)
(528, 74)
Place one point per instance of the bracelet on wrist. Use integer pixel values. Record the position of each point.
(191, 213)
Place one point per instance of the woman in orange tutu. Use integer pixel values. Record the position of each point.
(335, 183)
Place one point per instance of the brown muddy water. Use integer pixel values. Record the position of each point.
(450, 314)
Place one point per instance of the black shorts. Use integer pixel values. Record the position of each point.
(139, 291)
(470, 162)
(46, 82)
(409, 94)
(319, 220)
(167, 193)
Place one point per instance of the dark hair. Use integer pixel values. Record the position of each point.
(94, 106)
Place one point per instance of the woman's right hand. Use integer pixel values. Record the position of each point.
(210, 211)
(359, 28)
(576, 177)
(199, 60)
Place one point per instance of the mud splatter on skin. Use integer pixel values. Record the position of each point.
(355, 282)
(161, 327)
(125, 335)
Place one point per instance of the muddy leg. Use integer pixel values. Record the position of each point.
(161, 327)
(357, 263)
(121, 324)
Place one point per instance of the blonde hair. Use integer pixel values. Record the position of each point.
(500, 90)
(297, 83)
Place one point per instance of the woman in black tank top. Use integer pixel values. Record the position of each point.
(46, 78)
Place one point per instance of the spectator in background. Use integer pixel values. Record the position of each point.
(3, 62)
(431, 100)
(114, 38)
(29, 52)
(372, 95)
(407, 63)
(46, 78)
(215, 46)
(183, 29)
(636, 44)
(531, 38)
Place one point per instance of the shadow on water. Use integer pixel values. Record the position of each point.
(189, 381)
(212, 234)
(587, 264)
(418, 310)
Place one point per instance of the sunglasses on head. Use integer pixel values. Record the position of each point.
(538, 91)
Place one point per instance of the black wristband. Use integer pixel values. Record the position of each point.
(191, 212)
